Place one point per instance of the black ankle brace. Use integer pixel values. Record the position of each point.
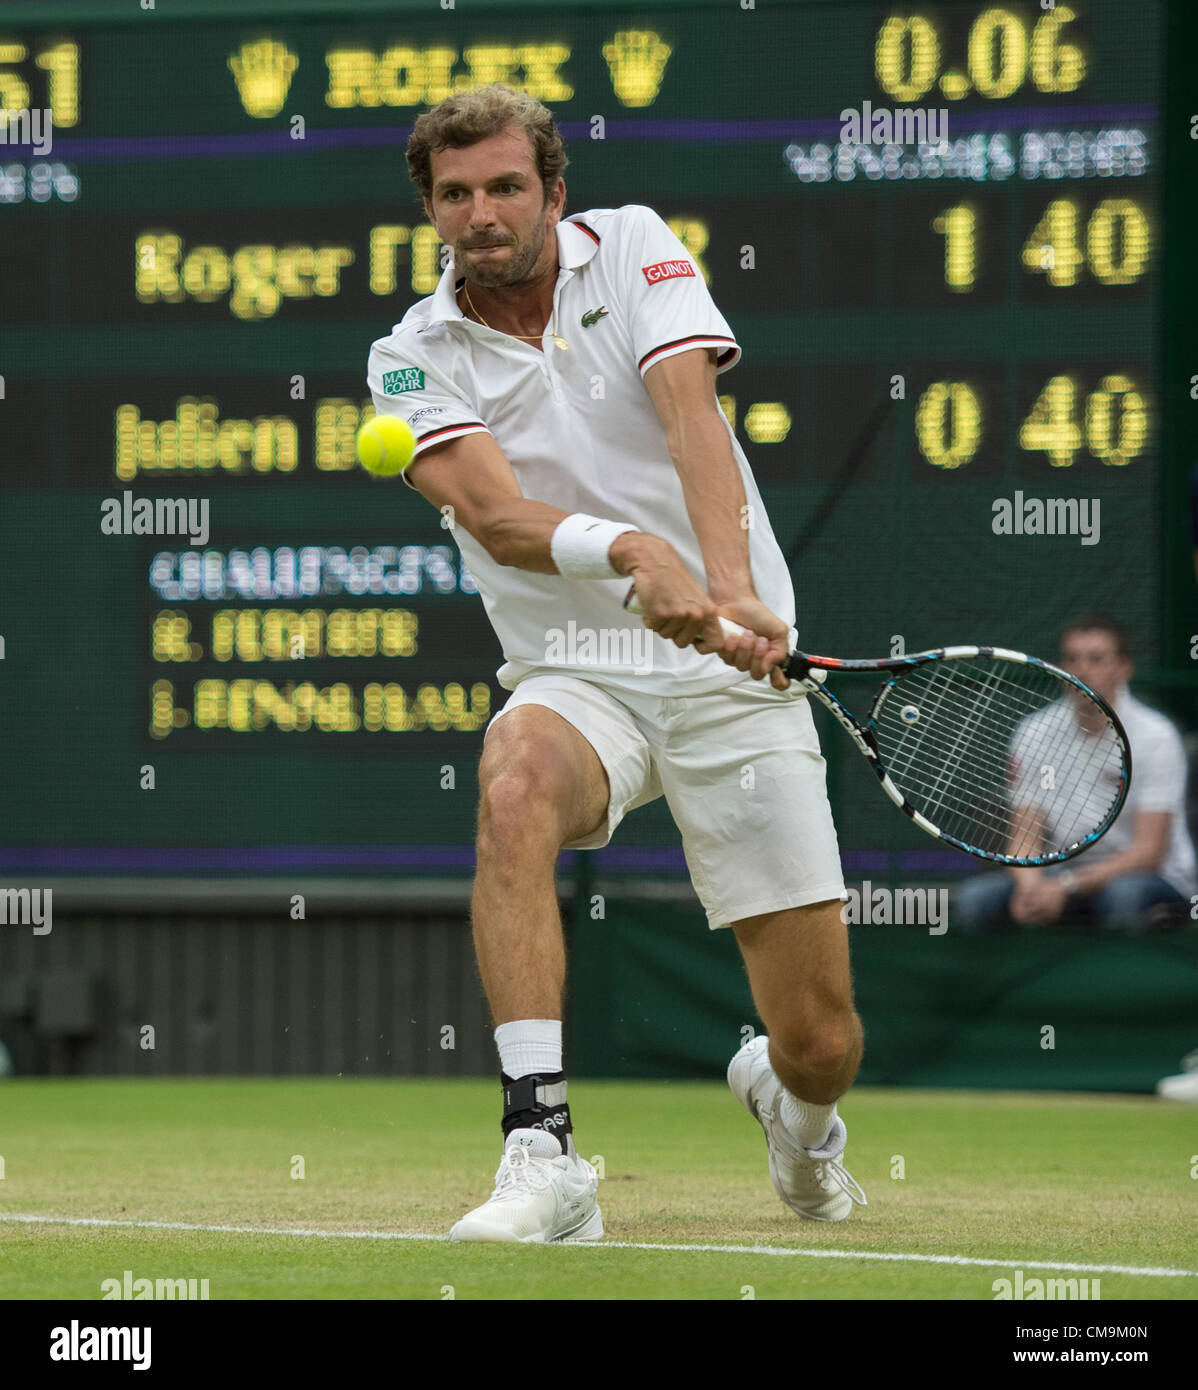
(537, 1102)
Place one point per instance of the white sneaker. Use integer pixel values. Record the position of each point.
(812, 1182)
(541, 1194)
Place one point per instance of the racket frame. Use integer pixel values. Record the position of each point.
(800, 665)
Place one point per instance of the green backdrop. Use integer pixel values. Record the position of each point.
(657, 994)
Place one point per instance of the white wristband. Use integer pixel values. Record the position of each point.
(580, 544)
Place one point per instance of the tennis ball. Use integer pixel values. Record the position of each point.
(385, 445)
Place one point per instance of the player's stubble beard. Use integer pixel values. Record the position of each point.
(520, 267)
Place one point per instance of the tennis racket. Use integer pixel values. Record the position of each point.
(999, 754)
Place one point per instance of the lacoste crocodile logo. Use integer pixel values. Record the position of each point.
(592, 316)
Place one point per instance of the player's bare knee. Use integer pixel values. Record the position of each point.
(518, 808)
(540, 782)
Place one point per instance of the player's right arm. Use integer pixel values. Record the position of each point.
(460, 468)
(469, 480)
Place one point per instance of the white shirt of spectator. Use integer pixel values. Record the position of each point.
(1158, 783)
(581, 433)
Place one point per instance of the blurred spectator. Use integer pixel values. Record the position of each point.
(1143, 869)
(1183, 1086)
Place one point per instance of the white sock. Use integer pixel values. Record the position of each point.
(810, 1124)
(529, 1047)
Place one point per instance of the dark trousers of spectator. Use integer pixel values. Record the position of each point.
(1130, 903)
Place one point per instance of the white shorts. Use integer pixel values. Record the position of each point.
(741, 771)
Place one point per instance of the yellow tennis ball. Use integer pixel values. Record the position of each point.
(385, 445)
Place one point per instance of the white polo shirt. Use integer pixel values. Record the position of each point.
(581, 433)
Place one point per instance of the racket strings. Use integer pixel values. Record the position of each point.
(964, 722)
(991, 752)
(966, 726)
(982, 797)
(977, 805)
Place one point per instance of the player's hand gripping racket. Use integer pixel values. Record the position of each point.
(996, 753)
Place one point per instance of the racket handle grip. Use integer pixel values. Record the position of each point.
(731, 629)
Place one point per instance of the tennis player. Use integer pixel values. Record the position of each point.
(560, 382)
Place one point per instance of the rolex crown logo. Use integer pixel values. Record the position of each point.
(262, 71)
(636, 59)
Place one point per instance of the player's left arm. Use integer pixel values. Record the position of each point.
(682, 388)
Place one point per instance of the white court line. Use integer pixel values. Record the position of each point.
(616, 1245)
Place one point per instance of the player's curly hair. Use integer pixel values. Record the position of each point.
(465, 118)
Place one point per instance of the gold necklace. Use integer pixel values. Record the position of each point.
(559, 343)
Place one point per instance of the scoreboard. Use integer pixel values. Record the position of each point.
(937, 230)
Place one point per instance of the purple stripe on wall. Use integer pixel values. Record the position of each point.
(412, 859)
